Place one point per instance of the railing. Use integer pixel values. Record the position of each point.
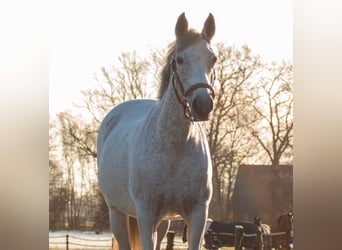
(73, 241)
(262, 241)
(239, 235)
(67, 241)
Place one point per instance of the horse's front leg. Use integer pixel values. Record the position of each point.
(119, 225)
(196, 221)
(147, 222)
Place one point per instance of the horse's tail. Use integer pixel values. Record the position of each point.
(115, 244)
(134, 234)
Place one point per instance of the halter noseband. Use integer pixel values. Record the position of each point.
(185, 93)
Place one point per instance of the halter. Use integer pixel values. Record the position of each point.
(185, 93)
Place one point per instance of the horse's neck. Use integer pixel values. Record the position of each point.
(172, 123)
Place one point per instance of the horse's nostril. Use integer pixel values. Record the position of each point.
(196, 105)
(202, 106)
(199, 106)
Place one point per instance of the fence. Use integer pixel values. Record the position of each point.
(110, 243)
(67, 241)
(80, 242)
(262, 241)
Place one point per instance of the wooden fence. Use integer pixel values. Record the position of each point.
(263, 241)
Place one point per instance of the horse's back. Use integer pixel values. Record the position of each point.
(124, 114)
(223, 227)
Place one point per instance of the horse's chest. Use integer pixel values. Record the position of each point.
(170, 195)
(170, 181)
(170, 177)
(171, 170)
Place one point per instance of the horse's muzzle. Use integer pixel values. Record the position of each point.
(201, 106)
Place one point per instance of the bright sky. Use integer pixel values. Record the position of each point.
(86, 35)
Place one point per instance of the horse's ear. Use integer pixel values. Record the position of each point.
(181, 25)
(208, 30)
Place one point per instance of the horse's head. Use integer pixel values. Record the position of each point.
(192, 68)
(285, 222)
(257, 220)
(290, 220)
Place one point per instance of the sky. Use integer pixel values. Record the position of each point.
(87, 35)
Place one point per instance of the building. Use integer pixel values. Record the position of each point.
(262, 190)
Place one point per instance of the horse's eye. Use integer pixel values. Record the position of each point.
(179, 60)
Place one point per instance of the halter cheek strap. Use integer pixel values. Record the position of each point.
(182, 98)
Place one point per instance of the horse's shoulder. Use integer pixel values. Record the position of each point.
(124, 114)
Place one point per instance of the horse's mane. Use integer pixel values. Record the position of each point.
(165, 72)
(186, 40)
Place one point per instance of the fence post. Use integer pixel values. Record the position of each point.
(67, 242)
(288, 239)
(259, 243)
(238, 236)
(170, 237)
(208, 238)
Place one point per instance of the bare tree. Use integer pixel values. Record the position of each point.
(232, 115)
(57, 191)
(76, 156)
(101, 217)
(274, 107)
(129, 79)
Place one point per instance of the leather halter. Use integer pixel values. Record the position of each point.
(174, 77)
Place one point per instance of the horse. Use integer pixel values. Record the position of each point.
(154, 163)
(284, 224)
(265, 228)
(221, 234)
(265, 231)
